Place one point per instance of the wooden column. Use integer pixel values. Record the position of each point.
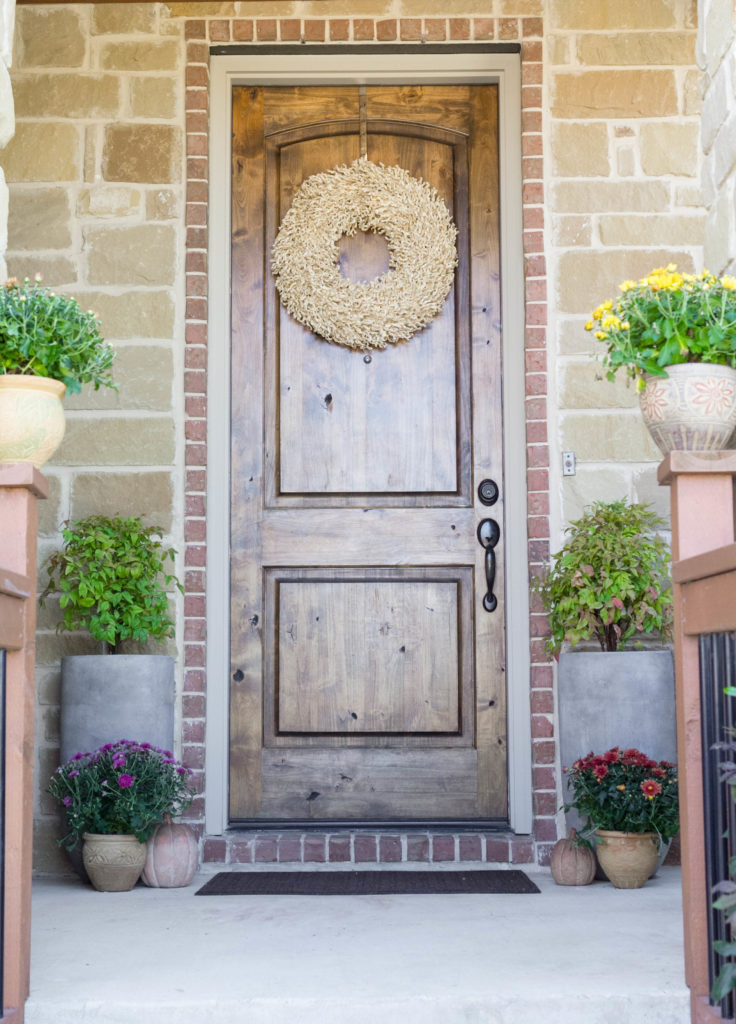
(702, 500)
(21, 485)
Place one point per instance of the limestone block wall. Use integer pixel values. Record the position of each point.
(623, 196)
(7, 115)
(717, 59)
(108, 182)
(96, 171)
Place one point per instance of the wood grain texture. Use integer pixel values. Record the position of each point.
(363, 501)
(247, 462)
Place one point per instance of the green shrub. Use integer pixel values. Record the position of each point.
(112, 577)
(44, 334)
(610, 581)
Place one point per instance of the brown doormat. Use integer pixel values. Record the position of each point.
(364, 883)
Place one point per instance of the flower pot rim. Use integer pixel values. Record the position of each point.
(106, 836)
(34, 382)
(619, 832)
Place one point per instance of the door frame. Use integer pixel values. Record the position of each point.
(355, 65)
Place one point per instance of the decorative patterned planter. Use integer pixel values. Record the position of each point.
(692, 409)
(628, 858)
(31, 418)
(113, 863)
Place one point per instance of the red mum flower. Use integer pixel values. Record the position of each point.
(600, 771)
(612, 755)
(650, 788)
(659, 772)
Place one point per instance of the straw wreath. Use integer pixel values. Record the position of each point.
(368, 197)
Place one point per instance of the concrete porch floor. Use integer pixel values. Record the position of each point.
(592, 955)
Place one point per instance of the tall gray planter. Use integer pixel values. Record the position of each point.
(615, 699)
(109, 697)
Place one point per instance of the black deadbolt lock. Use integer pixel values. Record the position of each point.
(488, 492)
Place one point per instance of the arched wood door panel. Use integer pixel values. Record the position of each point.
(367, 680)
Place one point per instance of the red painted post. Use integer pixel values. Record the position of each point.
(21, 485)
(702, 502)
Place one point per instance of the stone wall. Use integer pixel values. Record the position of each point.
(108, 176)
(7, 116)
(717, 59)
(96, 171)
(624, 197)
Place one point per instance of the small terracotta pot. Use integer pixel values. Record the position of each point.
(113, 862)
(628, 858)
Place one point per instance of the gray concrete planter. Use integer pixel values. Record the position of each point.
(108, 697)
(615, 699)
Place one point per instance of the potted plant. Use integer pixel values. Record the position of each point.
(112, 577)
(114, 797)
(609, 601)
(630, 802)
(48, 345)
(675, 334)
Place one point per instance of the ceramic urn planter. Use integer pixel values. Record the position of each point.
(692, 409)
(31, 418)
(113, 862)
(628, 858)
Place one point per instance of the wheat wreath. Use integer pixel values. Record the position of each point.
(421, 239)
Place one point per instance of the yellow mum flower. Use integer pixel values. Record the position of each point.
(729, 283)
(671, 267)
(601, 335)
(610, 321)
(589, 325)
(625, 325)
(625, 286)
(607, 304)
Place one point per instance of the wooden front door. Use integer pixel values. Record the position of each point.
(367, 675)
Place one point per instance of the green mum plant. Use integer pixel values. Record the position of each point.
(44, 334)
(625, 791)
(123, 788)
(112, 575)
(610, 582)
(667, 318)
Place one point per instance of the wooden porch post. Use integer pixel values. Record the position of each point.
(702, 500)
(21, 485)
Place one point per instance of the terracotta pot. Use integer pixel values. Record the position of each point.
(692, 409)
(113, 863)
(172, 856)
(628, 858)
(31, 418)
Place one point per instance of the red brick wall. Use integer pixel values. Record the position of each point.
(341, 847)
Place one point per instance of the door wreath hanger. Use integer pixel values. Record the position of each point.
(421, 239)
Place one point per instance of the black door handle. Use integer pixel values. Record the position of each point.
(489, 533)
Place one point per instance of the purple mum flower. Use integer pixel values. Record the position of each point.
(67, 801)
(183, 771)
(77, 757)
(73, 774)
(118, 760)
(125, 781)
(145, 746)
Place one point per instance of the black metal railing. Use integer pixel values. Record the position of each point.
(717, 672)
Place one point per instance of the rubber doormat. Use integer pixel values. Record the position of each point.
(364, 883)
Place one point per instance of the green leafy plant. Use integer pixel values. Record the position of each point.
(610, 581)
(123, 788)
(625, 791)
(112, 577)
(44, 334)
(667, 318)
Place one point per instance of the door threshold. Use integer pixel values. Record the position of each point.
(371, 825)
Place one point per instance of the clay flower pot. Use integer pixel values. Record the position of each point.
(628, 858)
(31, 418)
(692, 409)
(113, 862)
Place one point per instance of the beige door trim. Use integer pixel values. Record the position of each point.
(385, 68)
